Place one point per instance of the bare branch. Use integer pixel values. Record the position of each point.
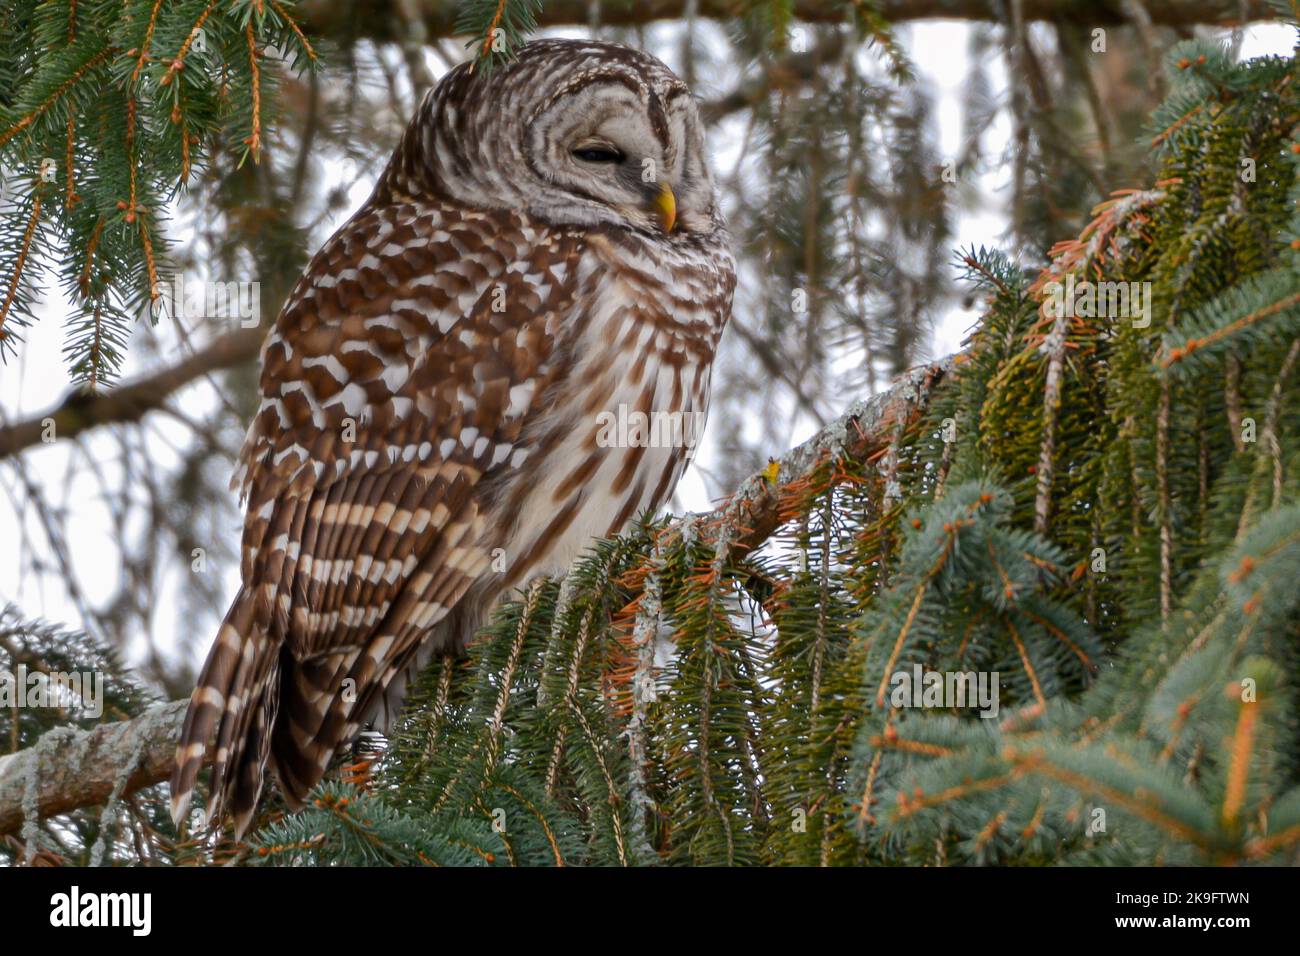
(128, 403)
(789, 72)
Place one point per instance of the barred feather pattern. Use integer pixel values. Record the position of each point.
(433, 390)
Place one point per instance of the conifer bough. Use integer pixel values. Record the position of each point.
(106, 109)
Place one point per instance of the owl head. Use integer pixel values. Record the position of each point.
(574, 132)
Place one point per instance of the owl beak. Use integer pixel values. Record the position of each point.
(666, 206)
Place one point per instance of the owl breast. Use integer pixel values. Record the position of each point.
(620, 429)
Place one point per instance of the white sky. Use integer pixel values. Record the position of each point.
(39, 378)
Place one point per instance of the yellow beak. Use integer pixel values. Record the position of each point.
(666, 204)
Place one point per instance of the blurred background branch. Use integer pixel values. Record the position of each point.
(391, 21)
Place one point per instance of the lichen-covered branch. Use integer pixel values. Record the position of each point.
(868, 426)
(70, 768)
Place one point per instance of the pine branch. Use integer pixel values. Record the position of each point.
(129, 99)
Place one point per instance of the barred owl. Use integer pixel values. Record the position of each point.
(544, 246)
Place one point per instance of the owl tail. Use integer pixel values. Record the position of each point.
(236, 697)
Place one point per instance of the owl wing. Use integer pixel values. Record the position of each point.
(399, 377)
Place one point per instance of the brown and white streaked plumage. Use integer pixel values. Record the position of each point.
(544, 246)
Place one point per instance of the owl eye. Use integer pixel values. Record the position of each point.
(599, 154)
